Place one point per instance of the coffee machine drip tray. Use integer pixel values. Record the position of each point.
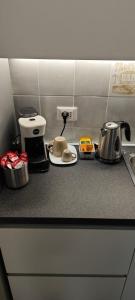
(39, 166)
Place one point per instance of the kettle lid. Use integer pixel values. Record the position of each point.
(111, 125)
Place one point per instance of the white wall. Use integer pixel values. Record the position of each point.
(68, 29)
(7, 125)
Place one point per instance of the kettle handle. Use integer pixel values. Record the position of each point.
(126, 126)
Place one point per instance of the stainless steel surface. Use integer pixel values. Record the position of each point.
(110, 141)
(16, 178)
(129, 161)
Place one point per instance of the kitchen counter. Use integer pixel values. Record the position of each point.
(89, 192)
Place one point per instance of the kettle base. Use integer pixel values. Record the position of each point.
(109, 161)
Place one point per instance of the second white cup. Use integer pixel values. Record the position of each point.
(68, 156)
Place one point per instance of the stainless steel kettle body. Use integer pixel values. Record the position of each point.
(109, 149)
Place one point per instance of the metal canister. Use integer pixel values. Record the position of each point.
(16, 178)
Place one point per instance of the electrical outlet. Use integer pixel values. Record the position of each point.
(72, 110)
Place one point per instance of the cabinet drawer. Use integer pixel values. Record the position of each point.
(66, 251)
(65, 288)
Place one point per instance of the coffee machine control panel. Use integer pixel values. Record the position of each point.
(32, 119)
(36, 131)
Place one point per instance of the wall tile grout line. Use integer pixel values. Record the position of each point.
(39, 104)
(74, 78)
(109, 88)
(94, 96)
(25, 95)
(36, 95)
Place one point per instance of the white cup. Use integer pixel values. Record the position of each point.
(68, 156)
(57, 146)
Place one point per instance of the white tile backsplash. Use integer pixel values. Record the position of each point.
(91, 111)
(45, 84)
(56, 77)
(24, 76)
(92, 78)
(49, 108)
(69, 133)
(79, 131)
(25, 101)
(122, 109)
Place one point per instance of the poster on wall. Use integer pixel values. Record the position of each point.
(123, 79)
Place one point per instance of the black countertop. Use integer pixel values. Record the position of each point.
(89, 192)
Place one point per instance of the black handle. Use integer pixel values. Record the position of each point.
(117, 144)
(125, 125)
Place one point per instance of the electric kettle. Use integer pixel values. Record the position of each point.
(110, 141)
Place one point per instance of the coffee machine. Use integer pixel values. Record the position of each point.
(32, 131)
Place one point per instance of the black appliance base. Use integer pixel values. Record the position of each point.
(108, 161)
(39, 167)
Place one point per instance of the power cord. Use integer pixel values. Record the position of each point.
(65, 115)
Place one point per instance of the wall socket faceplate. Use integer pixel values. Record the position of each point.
(72, 110)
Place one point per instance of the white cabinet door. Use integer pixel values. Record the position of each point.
(129, 289)
(65, 288)
(67, 251)
(88, 29)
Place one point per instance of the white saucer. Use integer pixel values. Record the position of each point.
(58, 161)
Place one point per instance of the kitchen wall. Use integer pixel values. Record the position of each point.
(7, 114)
(102, 90)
